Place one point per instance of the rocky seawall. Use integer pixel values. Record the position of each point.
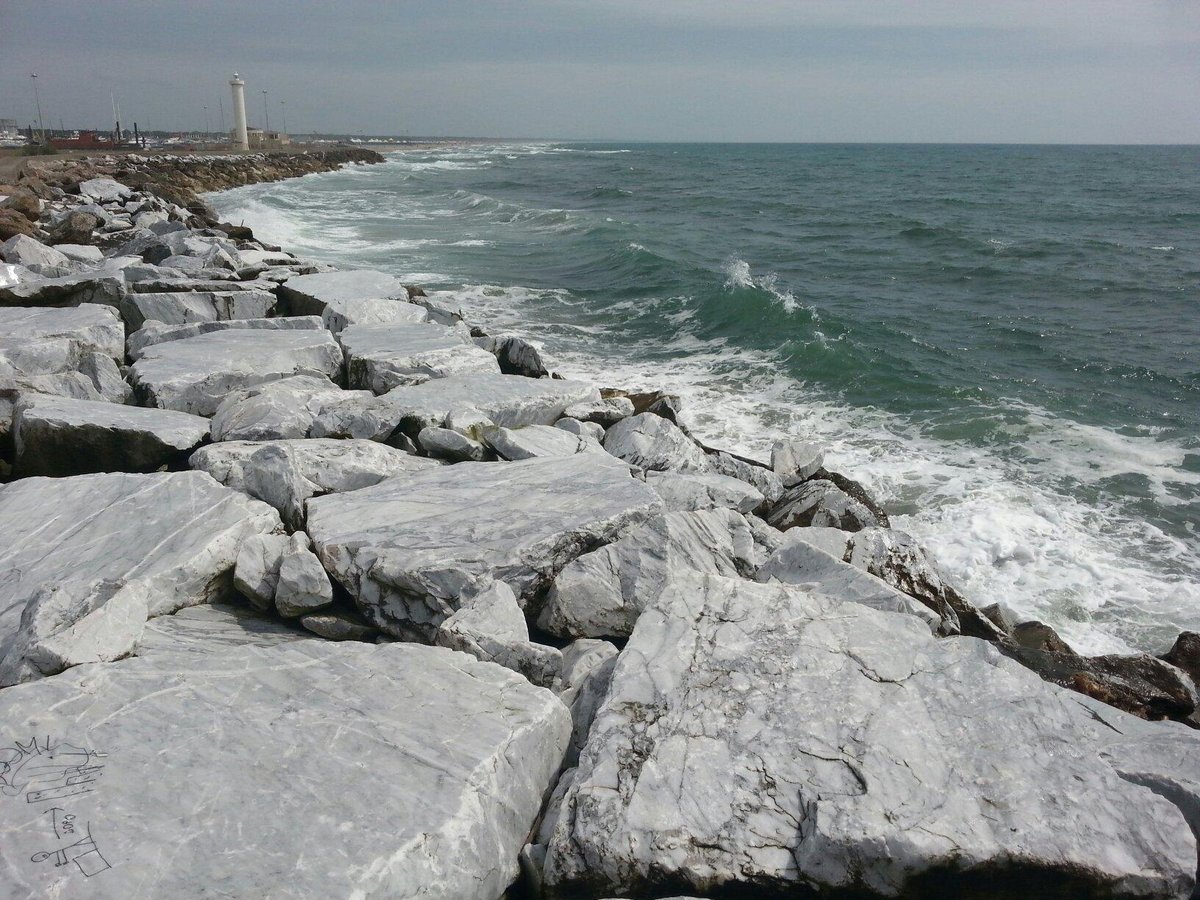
(308, 587)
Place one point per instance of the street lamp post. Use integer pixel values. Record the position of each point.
(283, 103)
(266, 118)
(38, 100)
(206, 130)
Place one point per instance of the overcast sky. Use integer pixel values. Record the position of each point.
(716, 70)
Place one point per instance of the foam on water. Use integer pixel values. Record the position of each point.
(1036, 516)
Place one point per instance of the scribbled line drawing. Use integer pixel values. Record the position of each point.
(83, 853)
(45, 769)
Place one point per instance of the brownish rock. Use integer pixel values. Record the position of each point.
(76, 228)
(13, 223)
(25, 202)
(1039, 636)
(1185, 654)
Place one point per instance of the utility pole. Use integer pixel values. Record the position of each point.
(221, 107)
(38, 100)
(206, 123)
(283, 103)
(266, 118)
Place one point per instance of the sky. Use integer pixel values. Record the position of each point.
(1051, 71)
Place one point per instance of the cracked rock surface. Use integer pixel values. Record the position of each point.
(273, 771)
(764, 737)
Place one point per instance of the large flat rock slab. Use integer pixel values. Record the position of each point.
(159, 332)
(307, 769)
(763, 738)
(286, 474)
(89, 327)
(59, 436)
(104, 286)
(194, 375)
(186, 307)
(357, 297)
(413, 546)
(277, 410)
(381, 357)
(84, 561)
(510, 401)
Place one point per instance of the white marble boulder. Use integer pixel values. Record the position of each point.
(602, 593)
(287, 473)
(189, 307)
(59, 436)
(153, 332)
(411, 548)
(509, 401)
(687, 491)
(194, 375)
(605, 413)
(303, 769)
(215, 627)
(381, 357)
(802, 563)
(795, 461)
(78, 329)
(757, 475)
(104, 190)
(821, 503)
(762, 738)
(356, 297)
(103, 286)
(277, 410)
(84, 561)
(651, 442)
(535, 441)
(22, 250)
(451, 446)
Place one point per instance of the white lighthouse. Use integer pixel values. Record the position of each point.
(240, 137)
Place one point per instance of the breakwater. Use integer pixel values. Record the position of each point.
(365, 556)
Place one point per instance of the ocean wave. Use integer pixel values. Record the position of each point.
(738, 275)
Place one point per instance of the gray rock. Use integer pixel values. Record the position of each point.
(59, 436)
(821, 503)
(287, 473)
(684, 492)
(381, 357)
(214, 627)
(84, 561)
(490, 626)
(303, 586)
(338, 625)
(23, 250)
(104, 374)
(517, 356)
(256, 568)
(759, 476)
(187, 307)
(796, 461)
(586, 674)
(652, 442)
(153, 332)
(101, 286)
(194, 375)
(451, 446)
(103, 190)
(409, 548)
(581, 429)
(605, 413)
(279, 409)
(81, 253)
(469, 422)
(44, 341)
(802, 563)
(535, 441)
(275, 753)
(350, 298)
(510, 401)
(763, 738)
(602, 593)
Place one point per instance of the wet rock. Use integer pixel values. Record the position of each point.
(652, 442)
(720, 762)
(820, 503)
(409, 548)
(287, 473)
(58, 436)
(602, 593)
(508, 400)
(684, 492)
(286, 408)
(381, 357)
(272, 751)
(518, 356)
(1038, 636)
(79, 588)
(194, 375)
(1185, 654)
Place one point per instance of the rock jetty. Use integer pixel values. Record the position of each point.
(311, 588)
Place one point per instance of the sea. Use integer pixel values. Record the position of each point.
(1002, 343)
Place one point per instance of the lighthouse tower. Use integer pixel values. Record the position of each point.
(240, 138)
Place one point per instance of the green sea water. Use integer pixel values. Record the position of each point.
(1002, 342)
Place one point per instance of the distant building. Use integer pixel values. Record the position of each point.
(9, 128)
(265, 141)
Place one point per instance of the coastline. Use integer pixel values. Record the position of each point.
(776, 522)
